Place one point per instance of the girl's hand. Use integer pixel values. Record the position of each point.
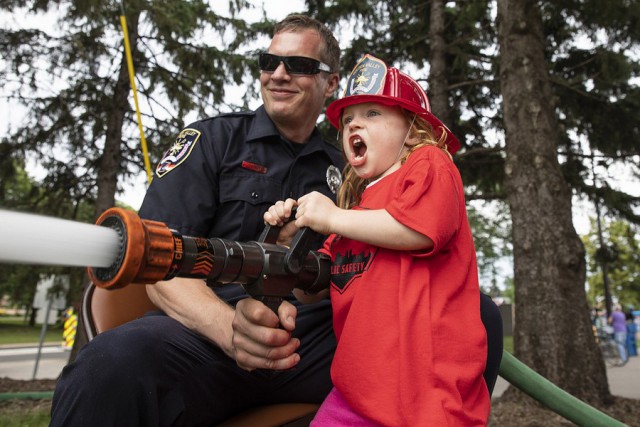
(278, 215)
(316, 211)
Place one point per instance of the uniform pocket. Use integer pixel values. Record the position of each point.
(249, 188)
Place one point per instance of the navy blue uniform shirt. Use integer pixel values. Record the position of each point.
(224, 172)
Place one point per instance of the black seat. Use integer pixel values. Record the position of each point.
(492, 321)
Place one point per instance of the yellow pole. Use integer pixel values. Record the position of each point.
(132, 80)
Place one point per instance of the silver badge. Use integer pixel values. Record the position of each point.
(334, 178)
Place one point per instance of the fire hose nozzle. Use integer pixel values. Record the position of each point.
(146, 251)
(149, 252)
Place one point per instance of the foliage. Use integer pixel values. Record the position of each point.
(68, 79)
(592, 51)
(398, 32)
(19, 192)
(622, 257)
(182, 70)
(491, 235)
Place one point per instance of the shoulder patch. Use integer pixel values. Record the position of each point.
(178, 152)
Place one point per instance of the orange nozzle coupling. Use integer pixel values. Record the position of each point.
(146, 252)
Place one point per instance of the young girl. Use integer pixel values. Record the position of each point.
(404, 285)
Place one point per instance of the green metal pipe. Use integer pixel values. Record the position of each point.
(35, 395)
(552, 396)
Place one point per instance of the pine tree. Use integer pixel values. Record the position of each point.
(74, 81)
(622, 257)
(549, 258)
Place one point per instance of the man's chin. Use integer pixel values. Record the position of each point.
(281, 113)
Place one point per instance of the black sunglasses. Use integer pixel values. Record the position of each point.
(293, 64)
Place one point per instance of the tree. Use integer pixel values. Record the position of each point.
(19, 192)
(75, 85)
(450, 43)
(622, 256)
(549, 266)
(493, 245)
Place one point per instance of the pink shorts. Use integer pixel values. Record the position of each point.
(335, 411)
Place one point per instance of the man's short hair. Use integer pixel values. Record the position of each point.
(330, 54)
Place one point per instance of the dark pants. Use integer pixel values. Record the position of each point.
(155, 372)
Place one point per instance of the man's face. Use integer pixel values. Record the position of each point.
(296, 100)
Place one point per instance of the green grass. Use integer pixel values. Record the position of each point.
(14, 331)
(507, 342)
(25, 414)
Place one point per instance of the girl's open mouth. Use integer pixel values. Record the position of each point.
(358, 147)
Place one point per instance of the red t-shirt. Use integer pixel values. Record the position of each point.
(411, 345)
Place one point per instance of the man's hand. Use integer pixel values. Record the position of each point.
(263, 340)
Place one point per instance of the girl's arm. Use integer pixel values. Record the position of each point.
(375, 227)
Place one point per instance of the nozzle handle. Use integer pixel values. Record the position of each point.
(300, 245)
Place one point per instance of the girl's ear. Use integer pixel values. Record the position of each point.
(413, 138)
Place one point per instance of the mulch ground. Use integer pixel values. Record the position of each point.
(8, 385)
(503, 414)
(530, 414)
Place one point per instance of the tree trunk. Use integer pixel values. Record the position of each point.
(438, 83)
(111, 160)
(552, 327)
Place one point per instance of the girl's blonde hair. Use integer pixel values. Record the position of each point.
(353, 186)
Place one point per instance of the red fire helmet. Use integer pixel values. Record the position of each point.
(373, 81)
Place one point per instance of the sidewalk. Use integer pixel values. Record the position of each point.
(18, 361)
(624, 381)
(31, 345)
